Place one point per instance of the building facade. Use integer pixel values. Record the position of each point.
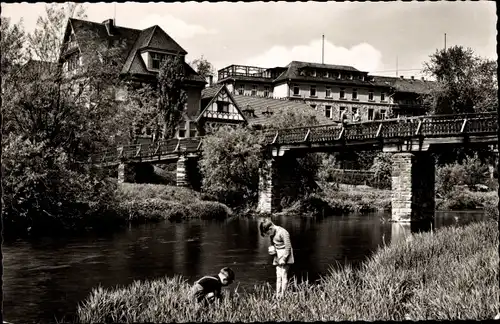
(330, 89)
(136, 59)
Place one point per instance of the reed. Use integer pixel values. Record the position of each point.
(450, 274)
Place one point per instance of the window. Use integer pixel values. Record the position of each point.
(382, 96)
(354, 111)
(354, 93)
(350, 77)
(339, 76)
(370, 113)
(312, 91)
(241, 89)
(254, 90)
(328, 92)
(370, 95)
(342, 93)
(222, 106)
(382, 113)
(73, 62)
(313, 73)
(328, 111)
(266, 91)
(182, 133)
(156, 59)
(296, 90)
(341, 110)
(326, 74)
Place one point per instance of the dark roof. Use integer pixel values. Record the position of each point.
(132, 41)
(294, 68)
(210, 92)
(260, 105)
(36, 69)
(404, 85)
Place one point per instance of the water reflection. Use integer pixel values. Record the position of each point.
(48, 277)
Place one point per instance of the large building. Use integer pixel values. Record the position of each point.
(330, 89)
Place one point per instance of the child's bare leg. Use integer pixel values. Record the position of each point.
(284, 279)
(278, 281)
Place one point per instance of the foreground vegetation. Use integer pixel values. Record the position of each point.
(450, 274)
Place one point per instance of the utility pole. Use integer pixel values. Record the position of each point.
(396, 66)
(323, 50)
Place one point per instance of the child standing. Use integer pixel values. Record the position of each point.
(281, 248)
(209, 288)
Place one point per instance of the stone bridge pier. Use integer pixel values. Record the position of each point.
(187, 173)
(413, 183)
(280, 178)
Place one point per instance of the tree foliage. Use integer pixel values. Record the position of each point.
(203, 67)
(172, 98)
(230, 165)
(11, 46)
(51, 123)
(46, 41)
(465, 83)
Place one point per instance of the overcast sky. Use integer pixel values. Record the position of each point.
(368, 36)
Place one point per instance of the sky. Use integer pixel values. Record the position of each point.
(376, 37)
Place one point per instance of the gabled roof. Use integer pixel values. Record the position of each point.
(262, 105)
(214, 92)
(132, 41)
(404, 85)
(294, 68)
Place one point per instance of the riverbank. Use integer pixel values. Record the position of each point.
(140, 203)
(345, 199)
(450, 274)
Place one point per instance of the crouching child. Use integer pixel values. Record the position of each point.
(209, 288)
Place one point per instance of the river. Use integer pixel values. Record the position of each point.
(44, 279)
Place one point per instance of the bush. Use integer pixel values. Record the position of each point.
(209, 210)
(382, 168)
(135, 191)
(470, 171)
(230, 165)
(460, 198)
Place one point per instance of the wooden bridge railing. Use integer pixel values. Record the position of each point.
(427, 126)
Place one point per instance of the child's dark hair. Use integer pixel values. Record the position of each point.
(264, 227)
(230, 273)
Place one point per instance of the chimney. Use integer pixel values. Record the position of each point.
(210, 80)
(402, 77)
(110, 25)
(412, 77)
(423, 79)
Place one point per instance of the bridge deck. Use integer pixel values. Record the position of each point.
(441, 129)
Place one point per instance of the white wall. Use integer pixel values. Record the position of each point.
(281, 90)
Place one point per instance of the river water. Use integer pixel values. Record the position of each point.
(44, 280)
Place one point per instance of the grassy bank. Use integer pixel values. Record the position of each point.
(344, 199)
(450, 274)
(149, 202)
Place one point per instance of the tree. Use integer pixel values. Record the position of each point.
(230, 165)
(45, 42)
(466, 83)
(11, 46)
(51, 124)
(203, 67)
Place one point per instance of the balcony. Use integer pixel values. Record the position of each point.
(69, 47)
(244, 71)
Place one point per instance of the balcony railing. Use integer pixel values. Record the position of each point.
(244, 70)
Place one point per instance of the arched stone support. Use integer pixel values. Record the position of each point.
(413, 196)
(279, 178)
(126, 173)
(187, 174)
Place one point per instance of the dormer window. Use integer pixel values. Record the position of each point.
(313, 73)
(156, 59)
(326, 74)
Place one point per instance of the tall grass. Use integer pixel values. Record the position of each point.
(450, 274)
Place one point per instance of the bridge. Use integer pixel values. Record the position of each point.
(410, 139)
